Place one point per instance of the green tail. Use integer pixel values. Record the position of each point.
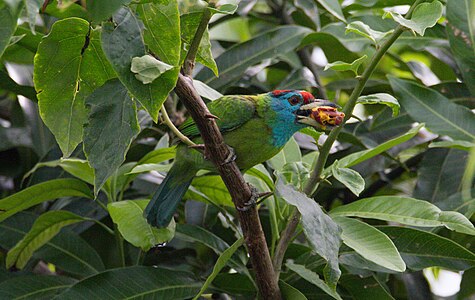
(164, 202)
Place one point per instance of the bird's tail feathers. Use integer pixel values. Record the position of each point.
(164, 202)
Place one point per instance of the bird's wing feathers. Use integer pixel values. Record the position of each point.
(233, 111)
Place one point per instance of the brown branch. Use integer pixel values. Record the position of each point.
(240, 191)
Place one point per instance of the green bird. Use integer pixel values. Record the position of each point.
(255, 127)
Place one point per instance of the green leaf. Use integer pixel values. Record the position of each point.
(128, 215)
(440, 114)
(439, 174)
(77, 167)
(370, 243)
(152, 159)
(349, 177)
(8, 15)
(162, 29)
(67, 250)
(32, 7)
(43, 230)
(142, 282)
(102, 10)
(381, 98)
(235, 60)
(363, 29)
(333, 7)
(295, 173)
(422, 249)
(206, 91)
(121, 44)
(147, 68)
(67, 70)
(461, 145)
(290, 153)
(34, 286)
(467, 288)
(313, 278)
(321, 231)
(213, 188)
(461, 30)
(227, 9)
(358, 157)
(219, 265)
(189, 22)
(425, 15)
(112, 125)
(289, 292)
(343, 66)
(365, 288)
(42, 192)
(406, 211)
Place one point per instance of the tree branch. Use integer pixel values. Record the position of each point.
(240, 191)
(315, 176)
(219, 152)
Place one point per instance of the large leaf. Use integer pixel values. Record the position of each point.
(137, 282)
(407, 211)
(128, 215)
(381, 98)
(440, 115)
(77, 167)
(313, 278)
(422, 249)
(365, 30)
(34, 286)
(162, 29)
(349, 177)
(8, 15)
(111, 127)
(123, 42)
(461, 32)
(321, 231)
(42, 192)
(425, 15)
(440, 174)
(212, 188)
(43, 230)
(67, 251)
(358, 157)
(69, 65)
(234, 62)
(370, 243)
(220, 264)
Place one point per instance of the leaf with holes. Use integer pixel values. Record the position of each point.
(69, 65)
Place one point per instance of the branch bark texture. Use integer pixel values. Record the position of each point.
(240, 191)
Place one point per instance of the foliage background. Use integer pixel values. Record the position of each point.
(79, 138)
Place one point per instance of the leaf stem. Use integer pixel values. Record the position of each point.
(315, 176)
(169, 123)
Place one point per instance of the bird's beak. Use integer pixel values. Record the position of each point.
(320, 114)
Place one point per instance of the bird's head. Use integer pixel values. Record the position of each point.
(301, 108)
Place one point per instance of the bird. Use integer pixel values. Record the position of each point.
(255, 127)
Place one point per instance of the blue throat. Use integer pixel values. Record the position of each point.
(283, 125)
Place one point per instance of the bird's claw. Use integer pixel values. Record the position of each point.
(254, 200)
(231, 156)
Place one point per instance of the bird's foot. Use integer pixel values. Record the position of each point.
(256, 198)
(231, 156)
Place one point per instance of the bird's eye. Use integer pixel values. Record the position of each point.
(294, 100)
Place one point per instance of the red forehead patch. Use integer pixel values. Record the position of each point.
(307, 97)
(278, 92)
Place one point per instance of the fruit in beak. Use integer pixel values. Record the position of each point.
(320, 114)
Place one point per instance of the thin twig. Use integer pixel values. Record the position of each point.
(315, 176)
(169, 123)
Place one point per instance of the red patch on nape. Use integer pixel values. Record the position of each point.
(276, 93)
(307, 97)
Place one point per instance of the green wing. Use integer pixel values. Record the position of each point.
(233, 111)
